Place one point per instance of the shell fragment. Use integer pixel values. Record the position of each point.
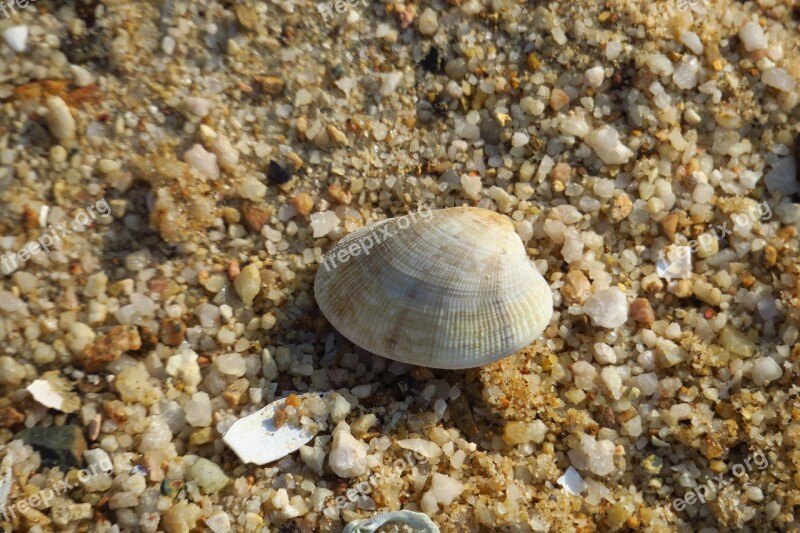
(416, 521)
(257, 438)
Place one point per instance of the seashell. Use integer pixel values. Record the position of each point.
(258, 439)
(452, 288)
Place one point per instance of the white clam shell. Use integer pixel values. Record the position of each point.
(452, 288)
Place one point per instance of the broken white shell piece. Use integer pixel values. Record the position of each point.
(44, 393)
(413, 519)
(675, 262)
(255, 439)
(572, 481)
(6, 480)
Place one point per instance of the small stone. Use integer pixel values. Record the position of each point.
(231, 364)
(252, 189)
(669, 224)
(59, 119)
(621, 207)
(348, 457)
(323, 223)
(607, 145)
(11, 372)
(134, 386)
(199, 107)
(272, 85)
(59, 446)
(336, 135)
(533, 62)
(445, 489)
(428, 23)
(778, 78)
(204, 162)
(765, 370)
(198, 410)
(10, 417)
(63, 515)
(181, 517)
(594, 77)
(642, 311)
(248, 283)
(303, 203)
(277, 174)
(604, 354)
(753, 37)
(16, 37)
(607, 308)
(558, 99)
(423, 447)
(247, 16)
(208, 476)
(227, 155)
(184, 366)
(110, 347)
(255, 217)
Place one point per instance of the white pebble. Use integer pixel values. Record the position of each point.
(606, 144)
(16, 37)
(594, 77)
(59, 119)
(753, 37)
(764, 370)
(202, 161)
(692, 42)
(779, 79)
(607, 308)
(428, 23)
(348, 457)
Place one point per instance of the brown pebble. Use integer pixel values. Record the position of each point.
(303, 203)
(669, 224)
(271, 84)
(641, 311)
(560, 176)
(93, 430)
(558, 99)
(770, 255)
(255, 217)
(172, 331)
(233, 269)
(621, 207)
(339, 195)
(246, 16)
(336, 135)
(109, 348)
(10, 417)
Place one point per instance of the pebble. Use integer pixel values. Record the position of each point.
(59, 119)
(248, 283)
(11, 372)
(765, 370)
(445, 489)
(594, 77)
(642, 311)
(184, 366)
(779, 79)
(208, 476)
(604, 354)
(303, 203)
(16, 37)
(323, 223)
(199, 107)
(62, 446)
(198, 410)
(202, 161)
(252, 189)
(607, 145)
(227, 155)
(753, 37)
(428, 23)
(607, 308)
(348, 456)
